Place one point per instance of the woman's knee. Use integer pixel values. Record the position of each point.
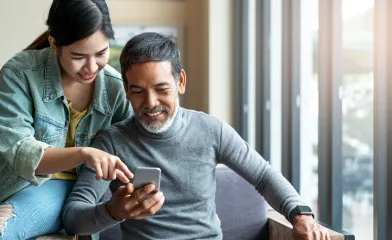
(6, 213)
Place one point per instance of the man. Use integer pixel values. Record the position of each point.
(186, 145)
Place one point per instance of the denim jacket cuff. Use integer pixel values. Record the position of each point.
(29, 155)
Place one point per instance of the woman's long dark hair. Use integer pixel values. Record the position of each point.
(72, 20)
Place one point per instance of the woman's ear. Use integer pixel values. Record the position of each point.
(53, 46)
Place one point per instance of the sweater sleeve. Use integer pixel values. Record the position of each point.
(239, 156)
(82, 213)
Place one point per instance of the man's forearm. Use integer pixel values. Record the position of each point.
(86, 219)
(278, 192)
(238, 155)
(82, 213)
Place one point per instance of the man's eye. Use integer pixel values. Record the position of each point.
(79, 58)
(163, 89)
(136, 92)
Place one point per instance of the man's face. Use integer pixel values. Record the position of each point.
(153, 93)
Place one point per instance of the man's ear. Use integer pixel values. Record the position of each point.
(181, 82)
(53, 46)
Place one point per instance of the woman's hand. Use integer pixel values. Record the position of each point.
(127, 203)
(107, 166)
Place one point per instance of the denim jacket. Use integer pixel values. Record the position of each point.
(34, 115)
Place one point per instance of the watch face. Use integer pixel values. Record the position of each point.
(304, 209)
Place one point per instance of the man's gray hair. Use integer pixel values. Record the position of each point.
(150, 47)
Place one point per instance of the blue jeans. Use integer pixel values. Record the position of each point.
(37, 210)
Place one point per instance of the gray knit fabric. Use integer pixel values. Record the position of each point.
(187, 154)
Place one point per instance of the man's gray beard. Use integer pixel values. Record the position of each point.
(158, 127)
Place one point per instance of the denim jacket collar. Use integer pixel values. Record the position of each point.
(53, 88)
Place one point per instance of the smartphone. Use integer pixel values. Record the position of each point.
(146, 175)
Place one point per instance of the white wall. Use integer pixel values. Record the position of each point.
(220, 39)
(21, 21)
(147, 11)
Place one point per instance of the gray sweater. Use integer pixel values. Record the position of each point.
(187, 154)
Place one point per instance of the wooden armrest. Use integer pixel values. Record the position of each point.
(281, 229)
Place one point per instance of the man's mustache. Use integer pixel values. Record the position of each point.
(160, 108)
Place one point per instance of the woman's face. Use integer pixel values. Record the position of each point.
(82, 60)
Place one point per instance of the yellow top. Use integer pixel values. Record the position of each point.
(75, 118)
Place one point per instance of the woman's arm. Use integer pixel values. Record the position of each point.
(59, 159)
(20, 152)
(29, 158)
(107, 166)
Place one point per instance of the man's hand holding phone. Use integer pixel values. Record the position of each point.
(126, 203)
(130, 203)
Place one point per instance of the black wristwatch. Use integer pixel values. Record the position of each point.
(300, 210)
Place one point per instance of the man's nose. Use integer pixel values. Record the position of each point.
(151, 100)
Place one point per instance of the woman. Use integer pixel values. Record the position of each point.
(55, 96)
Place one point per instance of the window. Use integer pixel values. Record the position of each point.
(357, 117)
(275, 104)
(321, 78)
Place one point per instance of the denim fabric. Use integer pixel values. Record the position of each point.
(37, 210)
(34, 115)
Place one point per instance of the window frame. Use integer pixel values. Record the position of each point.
(330, 113)
(263, 78)
(382, 120)
(291, 111)
(241, 50)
